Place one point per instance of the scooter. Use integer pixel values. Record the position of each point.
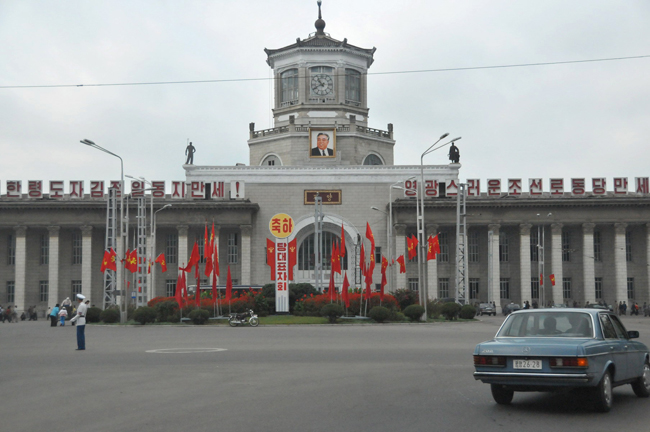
(248, 317)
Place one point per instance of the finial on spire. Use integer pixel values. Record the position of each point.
(320, 23)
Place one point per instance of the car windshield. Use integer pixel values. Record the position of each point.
(548, 324)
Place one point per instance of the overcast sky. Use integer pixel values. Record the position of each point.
(571, 120)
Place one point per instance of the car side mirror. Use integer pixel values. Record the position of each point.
(632, 334)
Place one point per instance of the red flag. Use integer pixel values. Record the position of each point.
(215, 258)
(402, 265)
(214, 286)
(384, 264)
(194, 258)
(293, 257)
(383, 284)
(132, 261)
(336, 259)
(212, 239)
(362, 260)
(541, 279)
(344, 291)
(185, 288)
(332, 288)
(228, 286)
(370, 236)
(433, 247)
(112, 265)
(208, 266)
(552, 278)
(412, 243)
(105, 261)
(342, 250)
(179, 290)
(206, 244)
(163, 263)
(270, 256)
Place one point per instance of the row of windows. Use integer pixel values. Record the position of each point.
(171, 248)
(290, 84)
(43, 290)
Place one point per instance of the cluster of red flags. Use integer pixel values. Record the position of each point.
(109, 262)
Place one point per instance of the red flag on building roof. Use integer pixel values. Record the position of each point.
(402, 265)
(270, 256)
(293, 257)
(344, 291)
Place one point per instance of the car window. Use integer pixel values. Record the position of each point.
(548, 324)
(608, 328)
(620, 328)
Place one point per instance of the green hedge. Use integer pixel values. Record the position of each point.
(414, 312)
(110, 315)
(145, 314)
(379, 314)
(332, 312)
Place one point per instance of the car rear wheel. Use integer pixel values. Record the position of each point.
(641, 386)
(602, 394)
(501, 394)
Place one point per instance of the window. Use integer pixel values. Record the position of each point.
(378, 256)
(11, 250)
(443, 288)
(170, 287)
(473, 288)
(628, 247)
(77, 247)
(566, 288)
(534, 287)
(597, 246)
(171, 248)
(608, 328)
(534, 245)
(504, 288)
(443, 238)
(233, 249)
(630, 288)
(599, 288)
(289, 87)
(372, 159)
(200, 242)
(45, 249)
(413, 284)
(503, 248)
(271, 160)
(472, 247)
(307, 256)
(11, 291)
(76, 288)
(352, 86)
(43, 291)
(566, 246)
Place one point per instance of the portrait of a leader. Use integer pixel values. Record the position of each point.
(322, 143)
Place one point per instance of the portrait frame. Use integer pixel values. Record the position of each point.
(313, 139)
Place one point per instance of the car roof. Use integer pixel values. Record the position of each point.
(564, 310)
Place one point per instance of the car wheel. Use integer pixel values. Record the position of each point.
(603, 394)
(641, 386)
(501, 394)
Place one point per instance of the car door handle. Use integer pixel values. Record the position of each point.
(611, 348)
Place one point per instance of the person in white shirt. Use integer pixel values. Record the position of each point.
(63, 313)
(80, 319)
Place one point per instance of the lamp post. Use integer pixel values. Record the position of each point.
(153, 247)
(120, 243)
(422, 284)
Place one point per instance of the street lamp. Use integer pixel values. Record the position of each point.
(120, 244)
(422, 284)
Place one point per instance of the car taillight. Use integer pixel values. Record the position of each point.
(580, 362)
(489, 360)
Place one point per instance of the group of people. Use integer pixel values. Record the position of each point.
(60, 313)
(8, 314)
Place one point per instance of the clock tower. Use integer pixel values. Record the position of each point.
(320, 88)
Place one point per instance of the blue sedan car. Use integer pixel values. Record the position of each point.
(552, 349)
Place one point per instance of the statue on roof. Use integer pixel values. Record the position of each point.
(454, 153)
(189, 151)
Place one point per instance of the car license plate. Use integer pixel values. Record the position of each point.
(527, 364)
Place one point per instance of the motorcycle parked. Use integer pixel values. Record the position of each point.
(248, 317)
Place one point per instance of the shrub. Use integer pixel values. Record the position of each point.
(165, 311)
(145, 314)
(332, 312)
(93, 314)
(450, 310)
(405, 297)
(398, 317)
(379, 314)
(199, 316)
(110, 315)
(467, 312)
(414, 312)
(434, 309)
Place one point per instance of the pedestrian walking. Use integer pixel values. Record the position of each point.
(63, 314)
(80, 319)
(54, 315)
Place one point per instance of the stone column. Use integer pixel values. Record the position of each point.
(183, 241)
(245, 254)
(556, 262)
(86, 262)
(20, 295)
(620, 264)
(524, 263)
(588, 272)
(494, 270)
(54, 296)
(432, 268)
(400, 249)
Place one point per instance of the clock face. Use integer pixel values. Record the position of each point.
(322, 84)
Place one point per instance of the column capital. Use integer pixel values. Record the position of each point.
(182, 229)
(21, 230)
(524, 228)
(494, 228)
(556, 228)
(588, 228)
(86, 230)
(620, 227)
(400, 229)
(54, 230)
(246, 229)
